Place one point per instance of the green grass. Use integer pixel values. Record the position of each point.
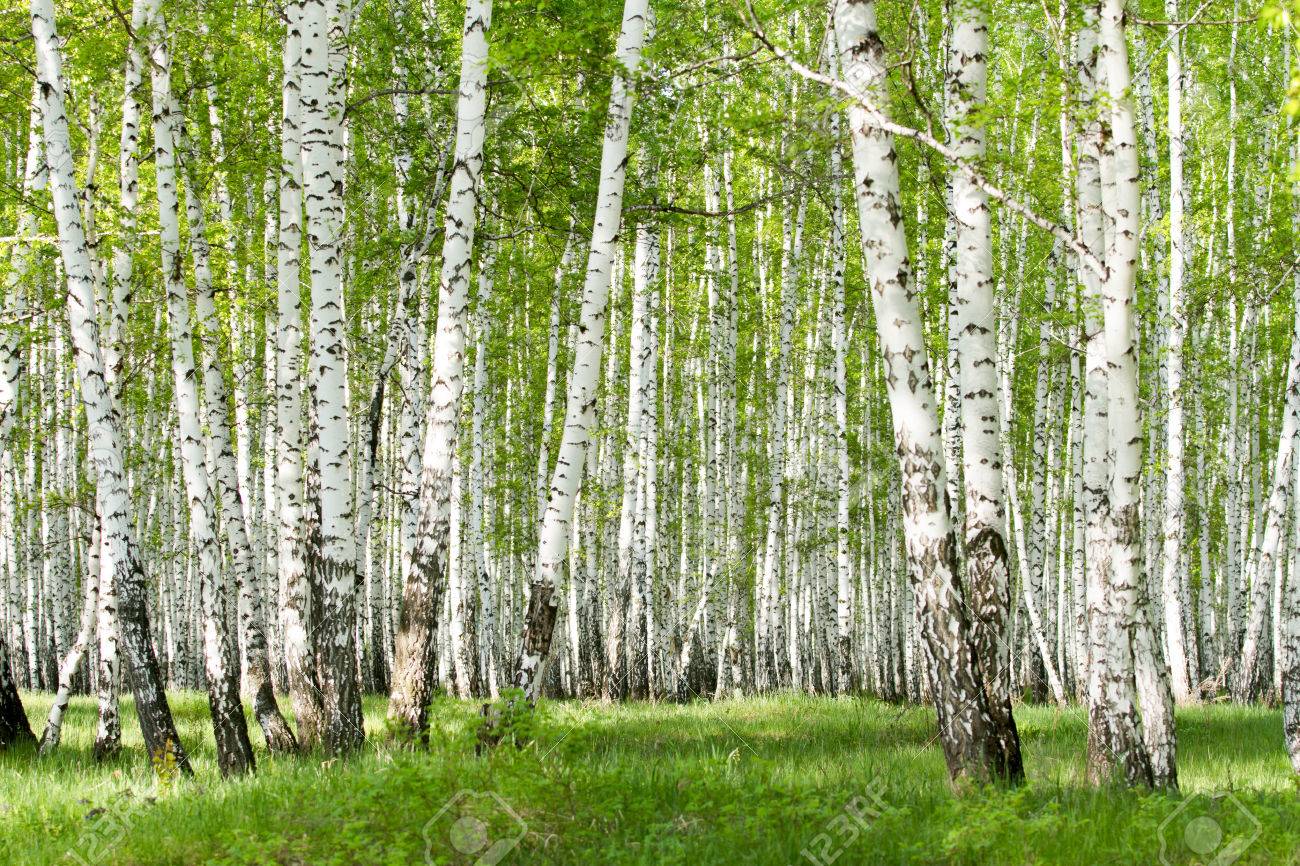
(758, 781)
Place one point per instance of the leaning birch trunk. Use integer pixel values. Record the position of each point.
(324, 29)
(970, 740)
(68, 668)
(216, 402)
(987, 565)
(1120, 203)
(221, 661)
(580, 409)
(413, 665)
(1248, 681)
(108, 734)
(295, 594)
(1172, 579)
(156, 724)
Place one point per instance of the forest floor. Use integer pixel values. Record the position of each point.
(780, 780)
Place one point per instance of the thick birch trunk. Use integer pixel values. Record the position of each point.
(1120, 202)
(295, 591)
(969, 738)
(1114, 738)
(987, 564)
(415, 644)
(322, 69)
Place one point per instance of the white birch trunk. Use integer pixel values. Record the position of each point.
(157, 726)
(221, 662)
(1172, 581)
(322, 69)
(295, 591)
(413, 663)
(843, 565)
(985, 540)
(1120, 203)
(580, 408)
(966, 730)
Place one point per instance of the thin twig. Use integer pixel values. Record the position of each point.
(1179, 28)
(1227, 22)
(657, 207)
(880, 121)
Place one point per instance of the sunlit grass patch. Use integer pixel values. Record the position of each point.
(784, 779)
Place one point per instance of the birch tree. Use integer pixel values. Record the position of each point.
(970, 741)
(156, 723)
(580, 408)
(1173, 593)
(1120, 194)
(986, 554)
(221, 660)
(322, 71)
(295, 590)
(413, 664)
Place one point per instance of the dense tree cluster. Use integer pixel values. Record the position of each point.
(946, 352)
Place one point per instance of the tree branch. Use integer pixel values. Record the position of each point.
(880, 121)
